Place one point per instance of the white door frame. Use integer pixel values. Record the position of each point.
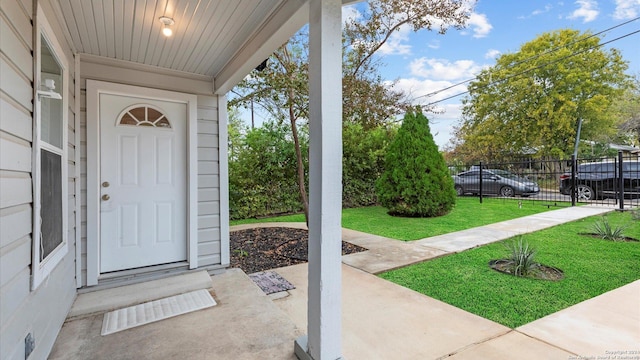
(94, 89)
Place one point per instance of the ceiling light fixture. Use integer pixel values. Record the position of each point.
(166, 22)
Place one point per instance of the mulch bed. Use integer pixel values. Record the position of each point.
(261, 249)
(540, 271)
(624, 238)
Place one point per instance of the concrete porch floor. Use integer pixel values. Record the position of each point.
(245, 324)
(381, 320)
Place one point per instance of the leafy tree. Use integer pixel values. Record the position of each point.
(628, 109)
(262, 173)
(366, 98)
(363, 154)
(416, 180)
(281, 88)
(236, 130)
(534, 98)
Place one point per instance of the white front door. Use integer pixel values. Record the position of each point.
(143, 182)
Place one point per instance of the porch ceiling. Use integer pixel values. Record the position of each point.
(221, 39)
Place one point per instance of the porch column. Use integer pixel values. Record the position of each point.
(324, 308)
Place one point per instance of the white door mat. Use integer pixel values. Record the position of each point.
(152, 311)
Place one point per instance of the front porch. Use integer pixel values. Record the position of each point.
(381, 321)
(245, 324)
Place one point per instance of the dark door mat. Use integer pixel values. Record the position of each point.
(271, 282)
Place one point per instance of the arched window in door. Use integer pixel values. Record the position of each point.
(144, 115)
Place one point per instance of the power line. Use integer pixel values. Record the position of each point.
(529, 59)
(525, 71)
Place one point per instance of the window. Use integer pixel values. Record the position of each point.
(50, 158)
(143, 115)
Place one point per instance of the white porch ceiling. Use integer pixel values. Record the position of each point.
(217, 38)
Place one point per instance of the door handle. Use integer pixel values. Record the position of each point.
(105, 197)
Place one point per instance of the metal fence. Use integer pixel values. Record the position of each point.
(611, 181)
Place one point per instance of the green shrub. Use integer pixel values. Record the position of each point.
(416, 181)
(606, 231)
(363, 162)
(262, 173)
(262, 167)
(521, 257)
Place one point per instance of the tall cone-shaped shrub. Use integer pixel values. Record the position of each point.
(416, 181)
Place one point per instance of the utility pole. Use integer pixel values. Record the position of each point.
(252, 119)
(575, 148)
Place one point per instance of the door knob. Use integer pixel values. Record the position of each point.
(105, 197)
(105, 184)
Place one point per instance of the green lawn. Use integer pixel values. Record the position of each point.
(468, 213)
(591, 266)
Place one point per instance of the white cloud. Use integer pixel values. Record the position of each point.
(446, 115)
(350, 12)
(442, 69)
(537, 12)
(397, 44)
(587, 10)
(426, 91)
(442, 123)
(434, 44)
(479, 24)
(492, 54)
(546, 9)
(626, 9)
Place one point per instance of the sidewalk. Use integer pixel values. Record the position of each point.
(382, 320)
(388, 254)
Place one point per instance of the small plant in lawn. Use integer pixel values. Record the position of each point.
(635, 214)
(608, 232)
(521, 258)
(241, 252)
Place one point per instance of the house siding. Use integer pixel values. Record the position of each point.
(23, 311)
(208, 164)
(209, 235)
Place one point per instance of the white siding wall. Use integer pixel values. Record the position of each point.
(22, 311)
(209, 251)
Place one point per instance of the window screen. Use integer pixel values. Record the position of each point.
(51, 202)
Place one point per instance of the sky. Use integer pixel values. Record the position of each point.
(424, 62)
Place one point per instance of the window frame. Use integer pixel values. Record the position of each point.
(40, 269)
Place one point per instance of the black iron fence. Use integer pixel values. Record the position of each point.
(611, 181)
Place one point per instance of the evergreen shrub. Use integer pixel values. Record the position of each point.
(416, 181)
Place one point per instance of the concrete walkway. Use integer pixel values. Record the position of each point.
(381, 320)
(387, 254)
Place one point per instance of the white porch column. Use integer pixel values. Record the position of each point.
(324, 329)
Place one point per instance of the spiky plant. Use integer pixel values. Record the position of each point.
(606, 231)
(521, 257)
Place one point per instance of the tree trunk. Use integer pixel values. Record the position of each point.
(300, 163)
